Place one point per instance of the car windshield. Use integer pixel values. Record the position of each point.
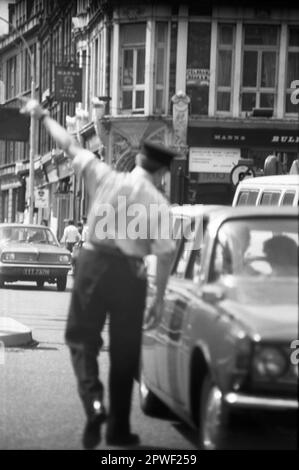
(254, 247)
(25, 234)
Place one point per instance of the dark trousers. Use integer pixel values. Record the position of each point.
(107, 284)
(70, 246)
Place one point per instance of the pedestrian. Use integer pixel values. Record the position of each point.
(111, 278)
(84, 230)
(80, 229)
(70, 236)
(44, 222)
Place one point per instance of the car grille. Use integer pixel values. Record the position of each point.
(48, 258)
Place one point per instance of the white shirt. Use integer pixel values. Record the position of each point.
(127, 211)
(84, 235)
(70, 234)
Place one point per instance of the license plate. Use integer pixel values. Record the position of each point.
(36, 272)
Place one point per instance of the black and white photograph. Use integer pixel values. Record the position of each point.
(149, 228)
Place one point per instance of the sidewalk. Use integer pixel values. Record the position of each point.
(13, 333)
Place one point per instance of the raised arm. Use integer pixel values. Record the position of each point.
(58, 132)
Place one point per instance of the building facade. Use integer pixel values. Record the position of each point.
(212, 81)
(15, 80)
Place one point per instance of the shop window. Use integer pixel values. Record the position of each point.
(226, 38)
(132, 40)
(198, 67)
(160, 66)
(292, 68)
(259, 75)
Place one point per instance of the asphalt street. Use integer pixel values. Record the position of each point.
(39, 405)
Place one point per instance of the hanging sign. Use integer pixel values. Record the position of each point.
(68, 84)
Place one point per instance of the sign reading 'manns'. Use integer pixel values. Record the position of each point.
(68, 84)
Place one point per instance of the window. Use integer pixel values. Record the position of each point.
(198, 67)
(270, 198)
(11, 78)
(247, 198)
(172, 63)
(132, 40)
(26, 83)
(96, 68)
(20, 12)
(292, 67)
(226, 37)
(256, 247)
(260, 57)
(160, 66)
(288, 198)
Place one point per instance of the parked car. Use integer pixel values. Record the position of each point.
(32, 253)
(277, 190)
(222, 346)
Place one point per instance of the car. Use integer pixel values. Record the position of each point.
(221, 349)
(277, 190)
(32, 253)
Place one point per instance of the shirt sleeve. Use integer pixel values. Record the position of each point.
(162, 242)
(91, 168)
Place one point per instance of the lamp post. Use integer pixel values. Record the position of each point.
(32, 123)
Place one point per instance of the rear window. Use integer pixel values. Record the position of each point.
(288, 198)
(270, 198)
(247, 198)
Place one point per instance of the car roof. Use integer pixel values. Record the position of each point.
(7, 224)
(193, 210)
(248, 212)
(271, 180)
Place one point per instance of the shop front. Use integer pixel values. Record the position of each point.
(10, 185)
(59, 184)
(214, 150)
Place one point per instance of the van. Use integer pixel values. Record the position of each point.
(278, 190)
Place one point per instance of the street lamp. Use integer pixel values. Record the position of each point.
(32, 123)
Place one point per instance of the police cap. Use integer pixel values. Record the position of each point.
(158, 153)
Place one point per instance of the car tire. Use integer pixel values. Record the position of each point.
(149, 403)
(213, 417)
(61, 283)
(40, 284)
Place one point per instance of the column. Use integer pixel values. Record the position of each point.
(182, 43)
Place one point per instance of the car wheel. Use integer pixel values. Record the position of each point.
(40, 284)
(213, 417)
(61, 283)
(149, 403)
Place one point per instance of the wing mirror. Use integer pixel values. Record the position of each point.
(212, 293)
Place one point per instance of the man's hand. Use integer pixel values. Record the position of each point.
(33, 108)
(154, 314)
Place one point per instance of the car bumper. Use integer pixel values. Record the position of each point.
(32, 271)
(236, 400)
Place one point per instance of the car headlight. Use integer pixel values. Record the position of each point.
(8, 257)
(64, 259)
(269, 362)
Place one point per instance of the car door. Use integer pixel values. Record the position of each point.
(169, 332)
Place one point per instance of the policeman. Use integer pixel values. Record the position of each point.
(111, 278)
